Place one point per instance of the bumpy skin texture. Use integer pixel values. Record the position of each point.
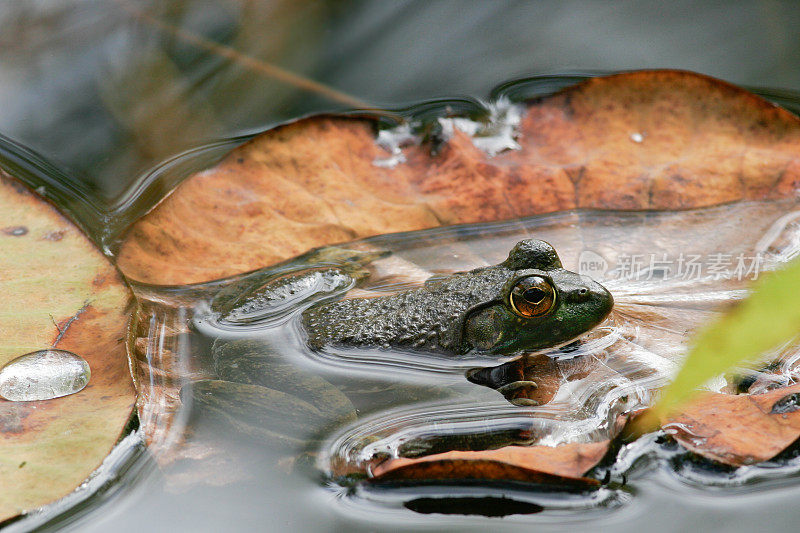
(467, 312)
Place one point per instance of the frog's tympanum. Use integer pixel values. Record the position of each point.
(528, 302)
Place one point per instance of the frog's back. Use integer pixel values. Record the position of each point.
(429, 318)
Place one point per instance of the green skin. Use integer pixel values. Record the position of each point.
(467, 312)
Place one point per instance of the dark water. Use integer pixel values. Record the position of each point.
(211, 468)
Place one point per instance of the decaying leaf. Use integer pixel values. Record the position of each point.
(562, 465)
(642, 140)
(739, 429)
(58, 291)
(768, 317)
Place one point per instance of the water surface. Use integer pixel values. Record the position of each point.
(216, 455)
(212, 455)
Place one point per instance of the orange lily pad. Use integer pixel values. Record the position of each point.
(60, 292)
(562, 465)
(739, 430)
(641, 140)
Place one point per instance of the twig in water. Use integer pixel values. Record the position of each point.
(258, 65)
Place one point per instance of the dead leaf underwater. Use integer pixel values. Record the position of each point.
(58, 291)
(662, 140)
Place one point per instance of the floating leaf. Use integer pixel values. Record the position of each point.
(642, 140)
(739, 430)
(58, 292)
(562, 465)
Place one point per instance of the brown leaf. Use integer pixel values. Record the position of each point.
(54, 280)
(641, 140)
(562, 465)
(739, 430)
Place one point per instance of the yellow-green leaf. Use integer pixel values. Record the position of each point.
(769, 317)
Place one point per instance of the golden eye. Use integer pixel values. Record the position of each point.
(532, 296)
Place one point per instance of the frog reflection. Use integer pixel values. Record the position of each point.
(526, 303)
(534, 379)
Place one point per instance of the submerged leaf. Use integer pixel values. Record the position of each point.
(58, 292)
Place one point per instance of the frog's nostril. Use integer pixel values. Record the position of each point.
(579, 295)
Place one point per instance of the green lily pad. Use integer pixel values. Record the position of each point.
(58, 292)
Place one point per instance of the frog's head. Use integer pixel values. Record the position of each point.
(540, 305)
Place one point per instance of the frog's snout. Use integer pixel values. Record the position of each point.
(589, 291)
(604, 299)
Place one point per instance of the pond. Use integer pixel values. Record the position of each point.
(122, 96)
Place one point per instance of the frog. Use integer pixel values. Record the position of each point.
(527, 303)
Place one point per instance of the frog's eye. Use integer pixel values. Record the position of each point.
(532, 296)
